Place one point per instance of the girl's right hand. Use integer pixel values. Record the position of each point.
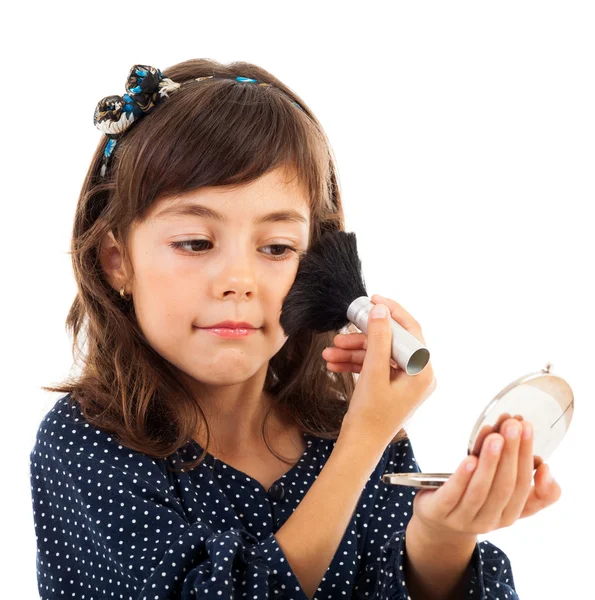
(384, 397)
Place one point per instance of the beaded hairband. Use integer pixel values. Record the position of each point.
(146, 89)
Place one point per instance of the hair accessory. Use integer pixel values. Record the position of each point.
(146, 88)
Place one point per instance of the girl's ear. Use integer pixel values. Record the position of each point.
(112, 263)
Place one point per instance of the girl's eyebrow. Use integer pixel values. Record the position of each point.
(198, 210)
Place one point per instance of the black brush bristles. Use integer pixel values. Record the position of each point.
(328, 280)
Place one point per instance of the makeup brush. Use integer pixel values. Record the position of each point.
(329, 292)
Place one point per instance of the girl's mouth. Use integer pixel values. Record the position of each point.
(226, 332)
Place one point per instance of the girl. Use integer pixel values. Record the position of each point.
(200, 452)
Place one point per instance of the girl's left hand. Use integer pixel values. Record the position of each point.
(496, 493)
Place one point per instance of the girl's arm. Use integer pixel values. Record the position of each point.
(395, 543)
(312, 534)
(436, 569)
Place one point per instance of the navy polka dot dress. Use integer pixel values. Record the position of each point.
(114, 523)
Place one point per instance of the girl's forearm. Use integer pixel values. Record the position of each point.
(312, 534)
(436, 568)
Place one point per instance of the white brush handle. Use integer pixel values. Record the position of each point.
(407, 351)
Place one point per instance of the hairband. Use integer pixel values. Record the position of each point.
(146, 88)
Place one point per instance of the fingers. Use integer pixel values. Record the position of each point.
(378, 353)
(350, 341)
(503, 483)
(480, 485)
(349, 352)
(406, 320)
(344, 367)
(447, 496)
(543, 494)
(338, 355)
(525, 474)
(401, 316)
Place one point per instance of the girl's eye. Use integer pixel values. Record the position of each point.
(282, 256)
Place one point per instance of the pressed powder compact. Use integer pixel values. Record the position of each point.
(542, 398)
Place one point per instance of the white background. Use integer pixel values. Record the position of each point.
(464, 136)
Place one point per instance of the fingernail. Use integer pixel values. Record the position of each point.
(512, 431)
(496, 446)
(378, 311)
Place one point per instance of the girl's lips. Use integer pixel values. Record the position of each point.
(226, 332)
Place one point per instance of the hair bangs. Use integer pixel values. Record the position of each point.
(221, 132)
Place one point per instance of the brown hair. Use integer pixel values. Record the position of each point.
(212, 133)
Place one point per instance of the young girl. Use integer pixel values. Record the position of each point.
(202, 453)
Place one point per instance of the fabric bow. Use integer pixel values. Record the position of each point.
(146, 88)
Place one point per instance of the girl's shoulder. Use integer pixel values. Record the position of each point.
(65, 440)
(64, 430)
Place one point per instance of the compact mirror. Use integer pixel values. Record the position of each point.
(542, 398)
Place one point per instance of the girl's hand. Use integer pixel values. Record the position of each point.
(351, 347)
(384, 397)
(495, 494)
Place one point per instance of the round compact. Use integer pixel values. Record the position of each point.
(544, 399)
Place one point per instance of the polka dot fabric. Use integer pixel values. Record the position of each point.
(111, 522)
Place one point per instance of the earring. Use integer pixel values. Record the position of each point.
(124, 295)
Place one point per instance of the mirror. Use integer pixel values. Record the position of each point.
(544, 399)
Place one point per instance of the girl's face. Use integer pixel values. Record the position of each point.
(192, 271)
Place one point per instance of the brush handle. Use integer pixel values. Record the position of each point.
(407, 351)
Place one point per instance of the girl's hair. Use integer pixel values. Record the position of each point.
(214, 133)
